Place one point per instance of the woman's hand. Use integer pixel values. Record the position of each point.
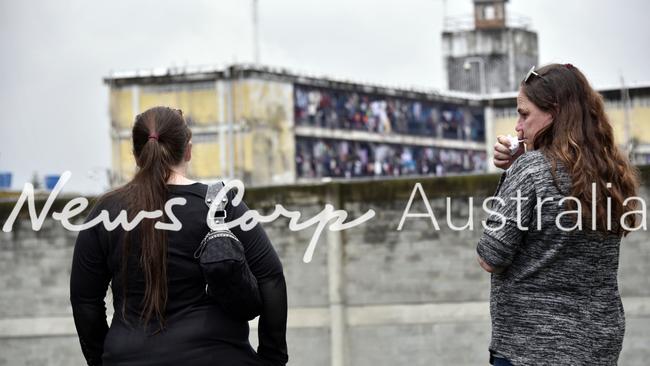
(487, 267)
(502, 157)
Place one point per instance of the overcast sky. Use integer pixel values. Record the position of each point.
(55, 53)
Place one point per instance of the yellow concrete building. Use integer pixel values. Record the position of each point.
(242, 127)
(268, 126)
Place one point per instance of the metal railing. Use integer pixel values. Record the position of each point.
(467, 22)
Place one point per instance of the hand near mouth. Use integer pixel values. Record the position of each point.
(503, 155)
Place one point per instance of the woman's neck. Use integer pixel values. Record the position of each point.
(178, 177)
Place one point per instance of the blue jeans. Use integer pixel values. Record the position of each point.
(501, 362)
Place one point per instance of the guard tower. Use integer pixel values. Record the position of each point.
(490, 14)
(489, 52)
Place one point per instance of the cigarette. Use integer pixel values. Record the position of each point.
(514, 144)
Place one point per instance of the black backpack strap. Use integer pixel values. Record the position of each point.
(211, 195)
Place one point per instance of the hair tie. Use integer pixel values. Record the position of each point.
(568, 66)
(153, 135)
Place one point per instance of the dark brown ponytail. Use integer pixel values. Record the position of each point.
(160, 138)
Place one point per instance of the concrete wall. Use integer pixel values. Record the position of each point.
(372, 295)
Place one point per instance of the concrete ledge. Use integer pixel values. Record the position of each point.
(635, 307)
(418, 314)
(354, 190)
(390, 138)
(37, 327)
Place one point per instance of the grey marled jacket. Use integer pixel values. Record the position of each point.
(557, 300)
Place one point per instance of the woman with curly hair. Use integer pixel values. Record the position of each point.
(553, 234)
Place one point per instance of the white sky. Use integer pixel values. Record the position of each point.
(55, 53)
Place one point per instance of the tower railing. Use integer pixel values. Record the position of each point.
(467, 22)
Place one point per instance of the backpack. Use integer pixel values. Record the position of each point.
(229, 280)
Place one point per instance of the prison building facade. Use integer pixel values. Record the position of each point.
(269, 126)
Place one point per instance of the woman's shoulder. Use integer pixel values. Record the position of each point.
(530, 157)
(534, 167)
(533, 170)
(197, 189)
(530, 163)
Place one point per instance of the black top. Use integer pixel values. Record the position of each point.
(197, 331)
(557, 300)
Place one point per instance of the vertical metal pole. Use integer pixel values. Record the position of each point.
(445, 63)
(335, 279)
(222, 104)
(256, 38)
(231, 117)
(512, 78)
(481, 68)
(490, 137)
(135, 109)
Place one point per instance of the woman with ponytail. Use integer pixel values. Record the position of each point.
(553, 253)
(162, 315)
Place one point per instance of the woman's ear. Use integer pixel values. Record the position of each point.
(556, 110)
(549, 117)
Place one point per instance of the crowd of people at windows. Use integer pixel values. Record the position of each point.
(317, 158)
(381, 114)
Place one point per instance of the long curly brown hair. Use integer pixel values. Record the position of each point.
(582, 140)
